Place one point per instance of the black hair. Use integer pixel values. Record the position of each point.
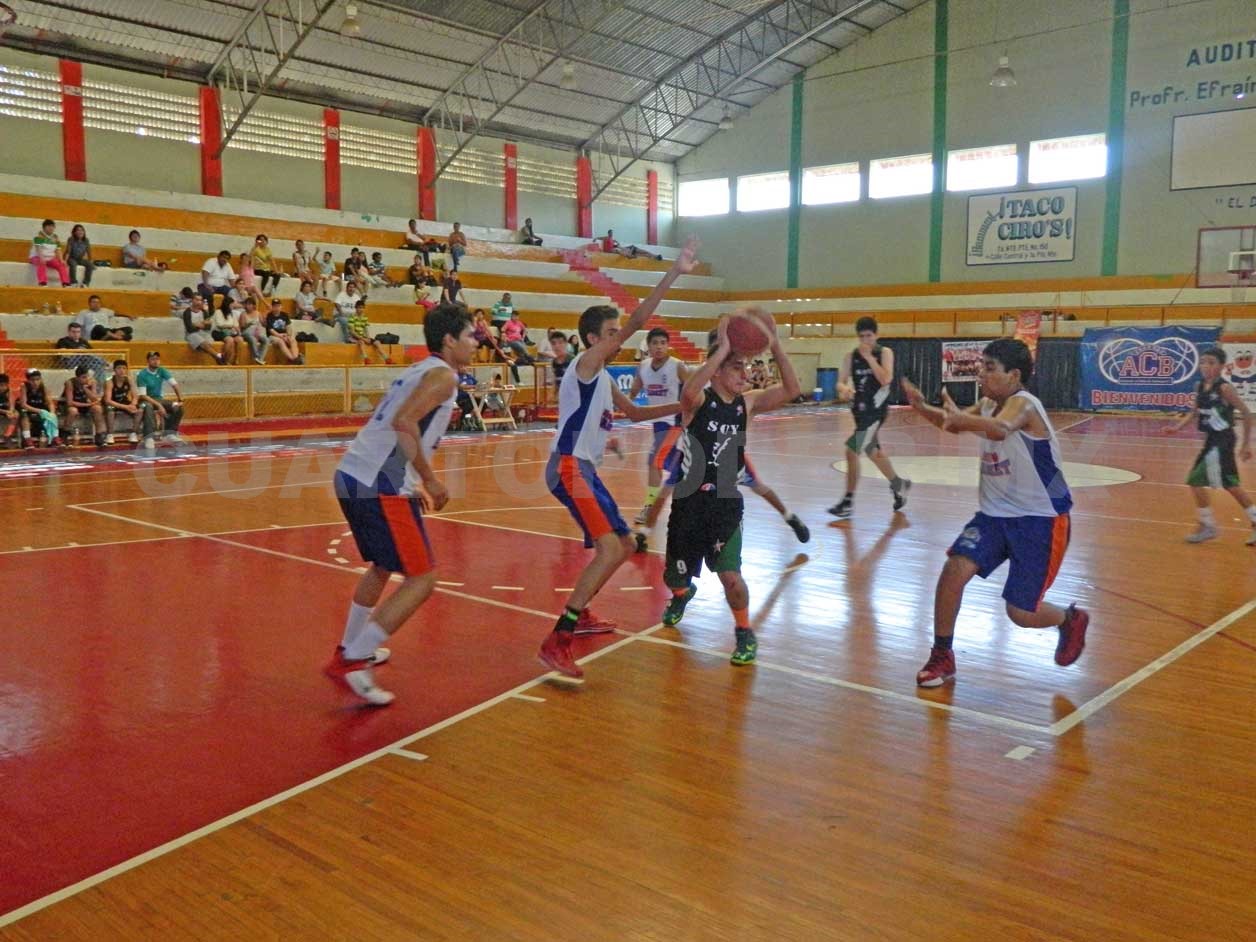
(359, 304)
(1217, 353)
(47, 222)
(226, 252)
(82, 369)
(4, 377)
(557, 335)
(118, 363)
(593, 319)
(96, 296)
(658, 332)
(1012, 354)
(132, 232)
(444, 320)
(712, 336)
(866, 323)
(74, 324)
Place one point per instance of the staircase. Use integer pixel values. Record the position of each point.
(580, 263)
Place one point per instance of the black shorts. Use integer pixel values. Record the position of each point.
(865, 440)
(701, 529)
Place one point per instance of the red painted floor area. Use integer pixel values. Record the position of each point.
(123, 725)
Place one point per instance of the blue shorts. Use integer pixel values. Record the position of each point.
(665, 438)
(575, 483)
(1035, 547)
(388, 528)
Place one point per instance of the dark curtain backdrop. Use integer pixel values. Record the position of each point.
(1055, 382)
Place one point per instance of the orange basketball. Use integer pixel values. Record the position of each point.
(747, 335)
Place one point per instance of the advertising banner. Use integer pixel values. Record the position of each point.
(1030, 226)
(961, 360)
(1028, 328)
(622, 377)
(1147, 369)
(1240, 369)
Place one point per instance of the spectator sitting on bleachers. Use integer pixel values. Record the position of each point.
(8, 411)
(277, 322)
(38, 418)
(501, 312)
(100, 323)
(514, 338)
(457, 244)
(73, 339)
(355, 270)
(377, 272)
(451, 289)
(81, 397)
(47, 252)
(78, 254)
(301, 260)
(306, 303)
(135, 256)
(120, 397)
(224, 327)
(180, 301)
(359, 332)
(416, 274)
(480, 329)
(248, 279)
(262, 264)
(526, 235)
(150, 381)
(196, 323)
(253, 330)
(611, 246)
(560, 355)
(346, 304)
(417, 242)
(217, 276)
(324, 271)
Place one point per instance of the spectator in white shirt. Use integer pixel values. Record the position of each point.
(217, 276)
(346, 304)
(305, 303)
(98, 322)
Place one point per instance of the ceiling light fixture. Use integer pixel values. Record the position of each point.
(351, 26)
(568, 81)
(1003, 76)
(726, 121)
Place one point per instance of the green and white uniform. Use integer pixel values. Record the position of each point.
(1216, 465)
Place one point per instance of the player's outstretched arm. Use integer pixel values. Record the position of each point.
(1014, 415)
(642, 413)
(787, 390)
(916, 399)
(604, 351)
(435, 388)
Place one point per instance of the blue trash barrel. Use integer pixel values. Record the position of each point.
(826, 379)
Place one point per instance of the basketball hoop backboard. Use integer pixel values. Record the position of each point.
(1216, 248)
(1242, 265)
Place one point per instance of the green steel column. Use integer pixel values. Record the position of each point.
(937, 202)
(1116, 135)
(795, 184)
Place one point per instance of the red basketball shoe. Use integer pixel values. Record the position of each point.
(555, 654)
(590, 623)
(937, 670)
(1072, 636)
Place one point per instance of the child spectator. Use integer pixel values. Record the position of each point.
(120, 396)
(305, 303)
(359, 333)
(81, 397)
(46, 252)
(78, 253)
(217, 276)
(135, 256)
(377, 271)
(262, 263)
(277, 329)
(150, 381)
(457, 244)
(526, 235)
(9, 416)
(181, 301)
(493, 402)
(196, 329)
(254, 331)
(99, 323)
(38, 419)
(224, 327)
(301, 260)
(248, 279)
(324, 272)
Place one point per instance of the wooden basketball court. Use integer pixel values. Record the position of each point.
(178, 767)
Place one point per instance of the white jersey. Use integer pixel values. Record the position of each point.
(1022, 476)
(586, 412)
(661, 386)
(374, 457)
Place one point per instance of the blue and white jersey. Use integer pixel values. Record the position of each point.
(586, 412)
(661, 386)
(1022, 476)
(374, 458)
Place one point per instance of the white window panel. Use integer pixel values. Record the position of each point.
(704, 197)
(762, 191)
(1082, 157)
(900, 176)
(835, 183)
(982, 168)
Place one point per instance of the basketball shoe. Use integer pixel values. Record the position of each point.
(556, 654)
(675, 609)
(357, 676)
(937, 670)
(592, 624)
(747, 647)
(1072, 636)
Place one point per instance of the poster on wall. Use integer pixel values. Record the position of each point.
(1030, 226)
(1028, 328)
(622, 376)
(1240, 369)
(961, 360)
(1148, 369)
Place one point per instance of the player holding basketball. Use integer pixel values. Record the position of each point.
(1024, 506)
(706, 517)
(384, 483)
(661, 375)
(1216, 402)
(587, 399)
(866, 377)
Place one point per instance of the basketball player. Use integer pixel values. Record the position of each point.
(706, 517)
(587, 399)
(1215, 404)
(866, 377)
(384, 483)
(1024, 506)
(661, 375)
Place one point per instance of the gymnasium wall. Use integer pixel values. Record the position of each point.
(875, 99)
(122, 158)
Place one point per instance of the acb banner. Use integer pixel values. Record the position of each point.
(1147, 369)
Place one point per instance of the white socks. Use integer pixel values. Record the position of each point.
(365, 642)
(1251, 514)
(1205, 516)
(358, 615)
